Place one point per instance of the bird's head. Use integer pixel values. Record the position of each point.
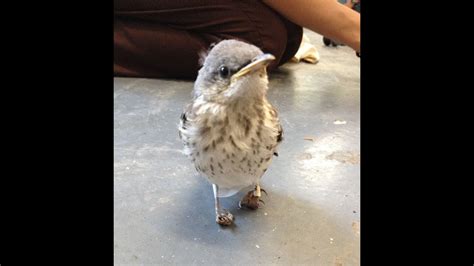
(233, 70)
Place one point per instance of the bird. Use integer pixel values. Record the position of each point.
(230, 130)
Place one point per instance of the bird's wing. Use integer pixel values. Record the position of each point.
(184, 119)
(280, 134)
(279, 138)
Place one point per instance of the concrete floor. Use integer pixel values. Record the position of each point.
(163, 211)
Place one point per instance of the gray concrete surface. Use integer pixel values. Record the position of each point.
(163, 211)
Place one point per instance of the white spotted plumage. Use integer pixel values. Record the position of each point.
(231, 145)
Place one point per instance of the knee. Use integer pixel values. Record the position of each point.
(274, 41)
(272, 34)
(269, 30)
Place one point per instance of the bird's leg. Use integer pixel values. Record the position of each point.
(223, 217)
(252, 198)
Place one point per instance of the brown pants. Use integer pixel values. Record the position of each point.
(163, 38)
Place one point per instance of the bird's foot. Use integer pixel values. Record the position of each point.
(224, 217)
(252, 199)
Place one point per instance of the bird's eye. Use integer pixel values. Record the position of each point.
(223, 72)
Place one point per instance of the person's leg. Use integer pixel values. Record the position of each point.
(151, 50)
(293, 43)
(163, 39)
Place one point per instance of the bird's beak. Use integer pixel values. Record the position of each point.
(257, 63)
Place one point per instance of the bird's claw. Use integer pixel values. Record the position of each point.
(224, 218)
(251, 201)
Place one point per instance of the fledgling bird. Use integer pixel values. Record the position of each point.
(230, 130)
